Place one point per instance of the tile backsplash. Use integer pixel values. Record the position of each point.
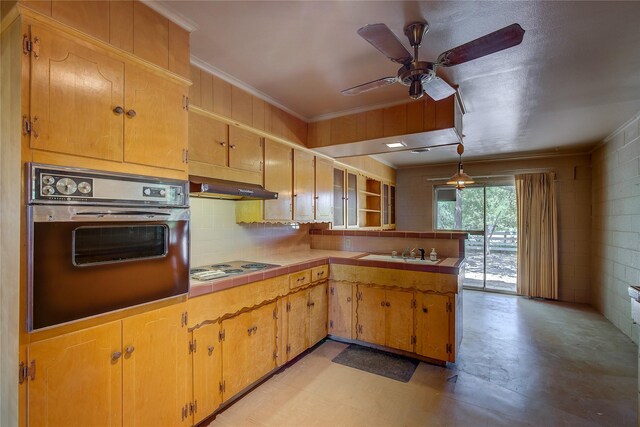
(216, 237)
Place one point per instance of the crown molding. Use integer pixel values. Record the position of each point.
(171, 14)
(613, 134)
(242, 85)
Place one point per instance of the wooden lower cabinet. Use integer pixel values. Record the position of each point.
(248, 348)
(385, 317)
(371, 315)
(297, 312)
(78, 379)
(207, 370)
(340, 309)
(432, 326)
(155, 369)
(317, 313)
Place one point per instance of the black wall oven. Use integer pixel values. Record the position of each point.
(100, 242)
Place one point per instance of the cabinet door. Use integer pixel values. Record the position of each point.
(339, 198)
(74, 91)
(245, 150)
(207, 140)
(236, 354)
(262, 343)
(352, 199)
(278, 175)
(340, 309)
(155, 368)
(78, 381)
(207, 371)
(371, 312)
(298, 323)
(399, 320)
(432, 325)
(156, 120)
(303, 186)
(317, 313)
(324, 190)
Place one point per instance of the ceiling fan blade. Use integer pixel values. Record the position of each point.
(381, 37)
(486, 45)
(437, 89)
(385, 81)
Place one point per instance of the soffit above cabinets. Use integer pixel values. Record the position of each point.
(571, 82)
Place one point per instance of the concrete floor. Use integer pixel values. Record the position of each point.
(522, 362)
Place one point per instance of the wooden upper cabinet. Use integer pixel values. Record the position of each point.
(318, 312)
(196, 87)
(155, 368)
(245, 150)
(207, 370)
(121, 24)
(179, 58)
(90, 17)
(303, 185)
(78, 380)
(221, 97)
(74, 90)
(241, 106)
(156, 120)
(207, 140)
(258, 107)
(278, 176)
(150, 35)
(324, 190)
(415, 116)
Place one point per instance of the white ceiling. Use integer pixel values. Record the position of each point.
(573, 80)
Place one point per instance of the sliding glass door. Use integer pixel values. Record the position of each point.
(488, 213)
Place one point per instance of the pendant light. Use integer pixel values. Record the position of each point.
(460, 179)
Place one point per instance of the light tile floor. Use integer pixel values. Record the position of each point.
(522, 362)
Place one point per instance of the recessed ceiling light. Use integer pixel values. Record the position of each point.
(420, 150)
(396, 144)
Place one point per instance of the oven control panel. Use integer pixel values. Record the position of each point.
(54, 184)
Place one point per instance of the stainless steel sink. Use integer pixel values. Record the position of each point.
(390, 258)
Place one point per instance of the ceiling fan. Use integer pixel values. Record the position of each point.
(421, 76)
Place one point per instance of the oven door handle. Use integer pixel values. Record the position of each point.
(124, 213)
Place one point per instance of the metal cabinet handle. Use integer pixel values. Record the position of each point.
(424, 309)
(116, 355)
(232, 146)
(388, 304)
(249, 331)
(382, 303)
(210, 350)
(222, 144)
(348, 299)
(131, 113)
(255, 329)
(118, 110)
(129, 350)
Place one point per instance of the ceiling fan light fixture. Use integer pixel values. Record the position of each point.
(415, 90)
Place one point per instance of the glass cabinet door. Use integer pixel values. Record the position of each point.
(385, 204)
(352, 199)
(338, 198)
(392, 205)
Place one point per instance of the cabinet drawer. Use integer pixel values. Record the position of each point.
(319, 273)
(300, 278)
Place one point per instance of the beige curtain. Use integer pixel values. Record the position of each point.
(537, 235)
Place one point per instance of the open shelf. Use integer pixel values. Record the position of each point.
(369, 193)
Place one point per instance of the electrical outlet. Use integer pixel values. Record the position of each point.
(347, 243)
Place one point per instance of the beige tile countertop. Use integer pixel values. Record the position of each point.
(292, 262)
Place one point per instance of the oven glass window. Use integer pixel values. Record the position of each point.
(109, 244)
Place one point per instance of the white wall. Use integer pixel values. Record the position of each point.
(215, 236)
(616, 225)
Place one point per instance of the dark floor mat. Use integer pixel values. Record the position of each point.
(377, 362)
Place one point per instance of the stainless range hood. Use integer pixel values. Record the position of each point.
(200, 186)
